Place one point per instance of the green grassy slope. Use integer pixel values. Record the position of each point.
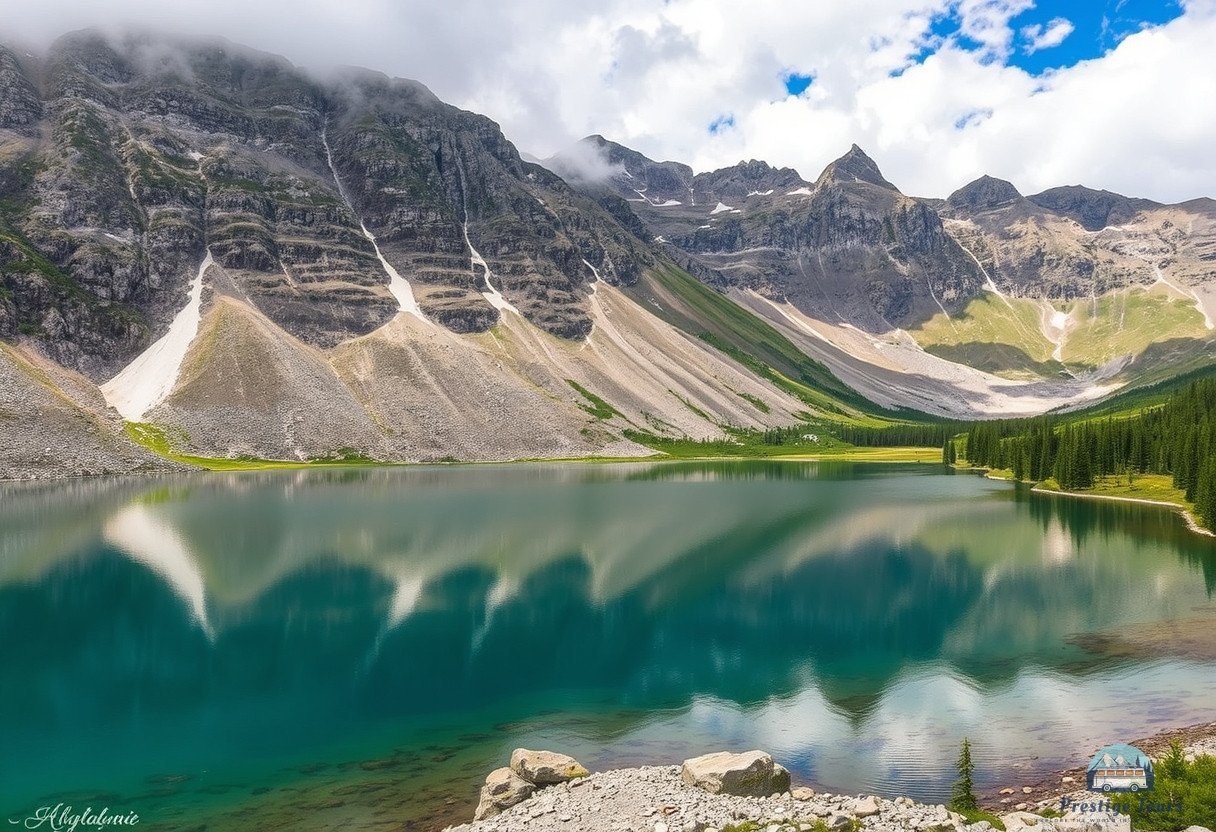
(683, 301)
(998, 335)
(1126, 322)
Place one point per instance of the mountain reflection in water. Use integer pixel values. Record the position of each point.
(855, 620)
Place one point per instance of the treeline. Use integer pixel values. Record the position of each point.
(1177, 438)
(930, 435)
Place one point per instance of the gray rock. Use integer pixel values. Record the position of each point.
(502, 790)
(1019, 820)
(546, 768)
(750, 773)
(865, 807)
(839, 821)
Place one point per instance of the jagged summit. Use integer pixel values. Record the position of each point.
(984, 194)
(854, 166)
(738, 182)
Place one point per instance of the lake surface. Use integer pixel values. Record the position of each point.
(357, 648)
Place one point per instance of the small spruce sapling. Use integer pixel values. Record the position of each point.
(962, 796)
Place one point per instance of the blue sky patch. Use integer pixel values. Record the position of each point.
(796, 84)
(1097, 27)
(973, 117)
(721, 123)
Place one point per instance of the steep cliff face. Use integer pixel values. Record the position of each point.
(126, 160)
(850, 247)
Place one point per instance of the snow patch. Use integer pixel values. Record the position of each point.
(490, 293)
(398, 286)
(595, 284)
(653, 203)
(989, 285)
(148, 380)
(721, 207)
(803, 191)
(769, 192)
(1054, 325)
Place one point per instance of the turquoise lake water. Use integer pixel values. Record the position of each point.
(356, 648)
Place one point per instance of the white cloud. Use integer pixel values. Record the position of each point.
(1139, 119)
(987, 23)
(1039, 36)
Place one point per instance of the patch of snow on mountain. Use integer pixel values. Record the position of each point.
(148, 380)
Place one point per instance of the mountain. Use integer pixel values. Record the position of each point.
(984, 302)
(260, 263)
(142, 150)
(850, 247)
(239, 259)
(1099, 281)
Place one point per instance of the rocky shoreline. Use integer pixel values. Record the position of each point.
(1045, 790)
(723, 792)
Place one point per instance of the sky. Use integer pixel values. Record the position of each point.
(1116, 94)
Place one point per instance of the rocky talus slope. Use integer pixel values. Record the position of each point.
(724, 793)
(414, 390)
(54, 423)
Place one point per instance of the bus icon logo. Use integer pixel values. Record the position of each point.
(1120, 768)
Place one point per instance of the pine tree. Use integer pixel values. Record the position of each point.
(962, 796)
(1205, 493)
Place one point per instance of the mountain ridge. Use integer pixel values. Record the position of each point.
(405, 285)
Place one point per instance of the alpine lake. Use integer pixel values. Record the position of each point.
(357, 647)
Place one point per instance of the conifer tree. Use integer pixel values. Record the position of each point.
(962, 796)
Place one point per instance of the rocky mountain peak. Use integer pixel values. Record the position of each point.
(984, 194)
(854, 166)
(744, 179)
(1093, 209)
